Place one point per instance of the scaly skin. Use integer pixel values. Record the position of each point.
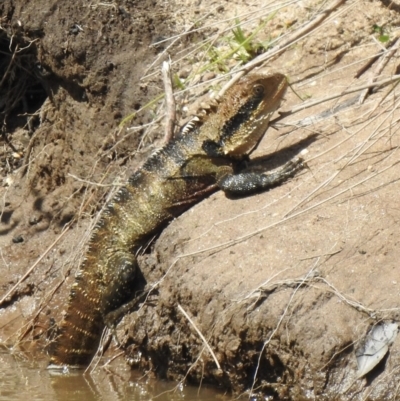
(203, 158)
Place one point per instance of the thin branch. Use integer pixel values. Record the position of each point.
(200, 335)
(309, 274)
(175, 39)
(97, 184)
(298, 35)
(30, 324)
(379, 68)
(170, 108)
(9, 65)
(104, 340)
(307, 105)
(11, 292)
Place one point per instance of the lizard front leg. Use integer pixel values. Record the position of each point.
(248, 182)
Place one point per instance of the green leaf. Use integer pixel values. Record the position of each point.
(178, 83)
(383, 38)
(377, 29)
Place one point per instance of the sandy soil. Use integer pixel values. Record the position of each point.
(284, 284)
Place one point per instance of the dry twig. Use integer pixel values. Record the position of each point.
(298, 35)
(200, 335)
(12, 290)
(379, 68)
(170, 102)
(312, 103)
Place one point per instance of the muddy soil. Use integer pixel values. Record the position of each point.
(283, 285)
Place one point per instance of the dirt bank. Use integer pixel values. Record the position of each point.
(282, 285)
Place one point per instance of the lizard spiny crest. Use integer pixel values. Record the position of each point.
(200, 115)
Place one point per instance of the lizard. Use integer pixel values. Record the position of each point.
(208, 154)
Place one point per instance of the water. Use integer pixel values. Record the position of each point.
(23, 379)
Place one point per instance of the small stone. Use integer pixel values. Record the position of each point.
(184, 72)
(335, 43)
(34, 220)
(18, 239)
(208, 76)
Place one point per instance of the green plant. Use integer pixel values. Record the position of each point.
(382, 35)
(248, 48)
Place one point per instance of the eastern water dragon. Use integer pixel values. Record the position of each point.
(207, 155)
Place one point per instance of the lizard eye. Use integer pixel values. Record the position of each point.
(258, 90)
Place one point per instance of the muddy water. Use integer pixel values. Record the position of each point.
(23, 379)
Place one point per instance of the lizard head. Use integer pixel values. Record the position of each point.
(242, 118)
